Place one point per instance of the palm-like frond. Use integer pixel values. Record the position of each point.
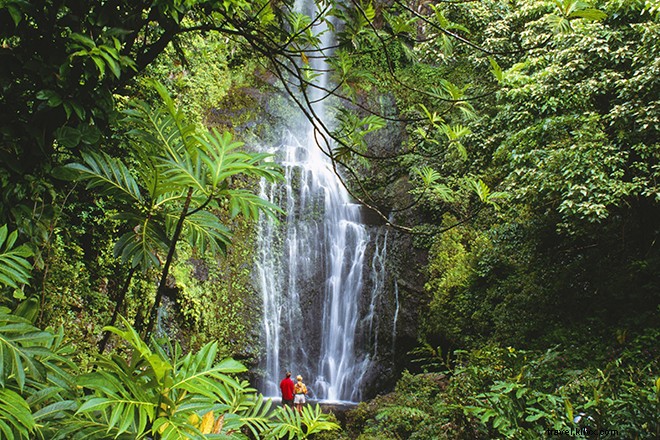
(443, 192)
(16, 420)
(34, 374)
(142, 244)
(428, 175)
(127, 395)
(186, 131)
(85, 427)
(316, 421)
(160, 131)
(178, 398)
(292, 424)
(186, 171)
(287, 424)
(167, 144)
(249, 204)
(485, 194)
(159, 365)
(254, 413)
(20, 344)
(454, 135)
(54, 354)
(14, 266)
(220, 155)
(204, 230)
(110, 176)
(57, 409)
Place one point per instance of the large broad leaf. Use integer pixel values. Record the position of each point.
(162, 130)
(126, 396)
(152, 128)
(126, 414)
(249, 204)
(159, 365)
(142, 245)
(428, 175)
(184, 172)
(204, 230)
(33, 363)
(254, 412)
(223, 160)
(316, 421)
(291, 424)
(108, 175)
(170, 396)
(198, 373)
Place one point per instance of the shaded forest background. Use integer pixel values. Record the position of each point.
(514, 144)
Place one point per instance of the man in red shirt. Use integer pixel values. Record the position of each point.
(286, 385)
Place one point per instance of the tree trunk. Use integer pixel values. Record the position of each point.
(118, 307)
(166, 268)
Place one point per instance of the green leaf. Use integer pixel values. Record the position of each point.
(14, 267)
(90, 134)
(142, 245)
(111, 61)
(204, 230)
(55, 409)
(496, 69)
(428, 175)
(15, 412)
(50, 96)
(100, 65)
(249, 204)
(159, 365)
(589, 14)
(83, 40)
(68, 137)
(111, 176)
(16, 14)
(480, 188)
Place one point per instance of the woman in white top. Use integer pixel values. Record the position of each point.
(299, 393)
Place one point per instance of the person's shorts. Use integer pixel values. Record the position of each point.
(299, 398)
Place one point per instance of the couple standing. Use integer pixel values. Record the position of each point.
(293, 394)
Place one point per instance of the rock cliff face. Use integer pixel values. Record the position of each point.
(400, 296)
(393, 286)
(395, 305)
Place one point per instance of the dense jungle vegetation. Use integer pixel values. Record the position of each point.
(515, 142)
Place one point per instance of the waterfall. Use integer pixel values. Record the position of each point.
(377, 277)
(396, 314)
(311, 266)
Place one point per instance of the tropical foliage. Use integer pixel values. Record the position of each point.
(516, 141)
(179, 177)
(160, 393)
(146, 394)
(506, 393)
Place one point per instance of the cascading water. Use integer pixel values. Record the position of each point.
(311, 266)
